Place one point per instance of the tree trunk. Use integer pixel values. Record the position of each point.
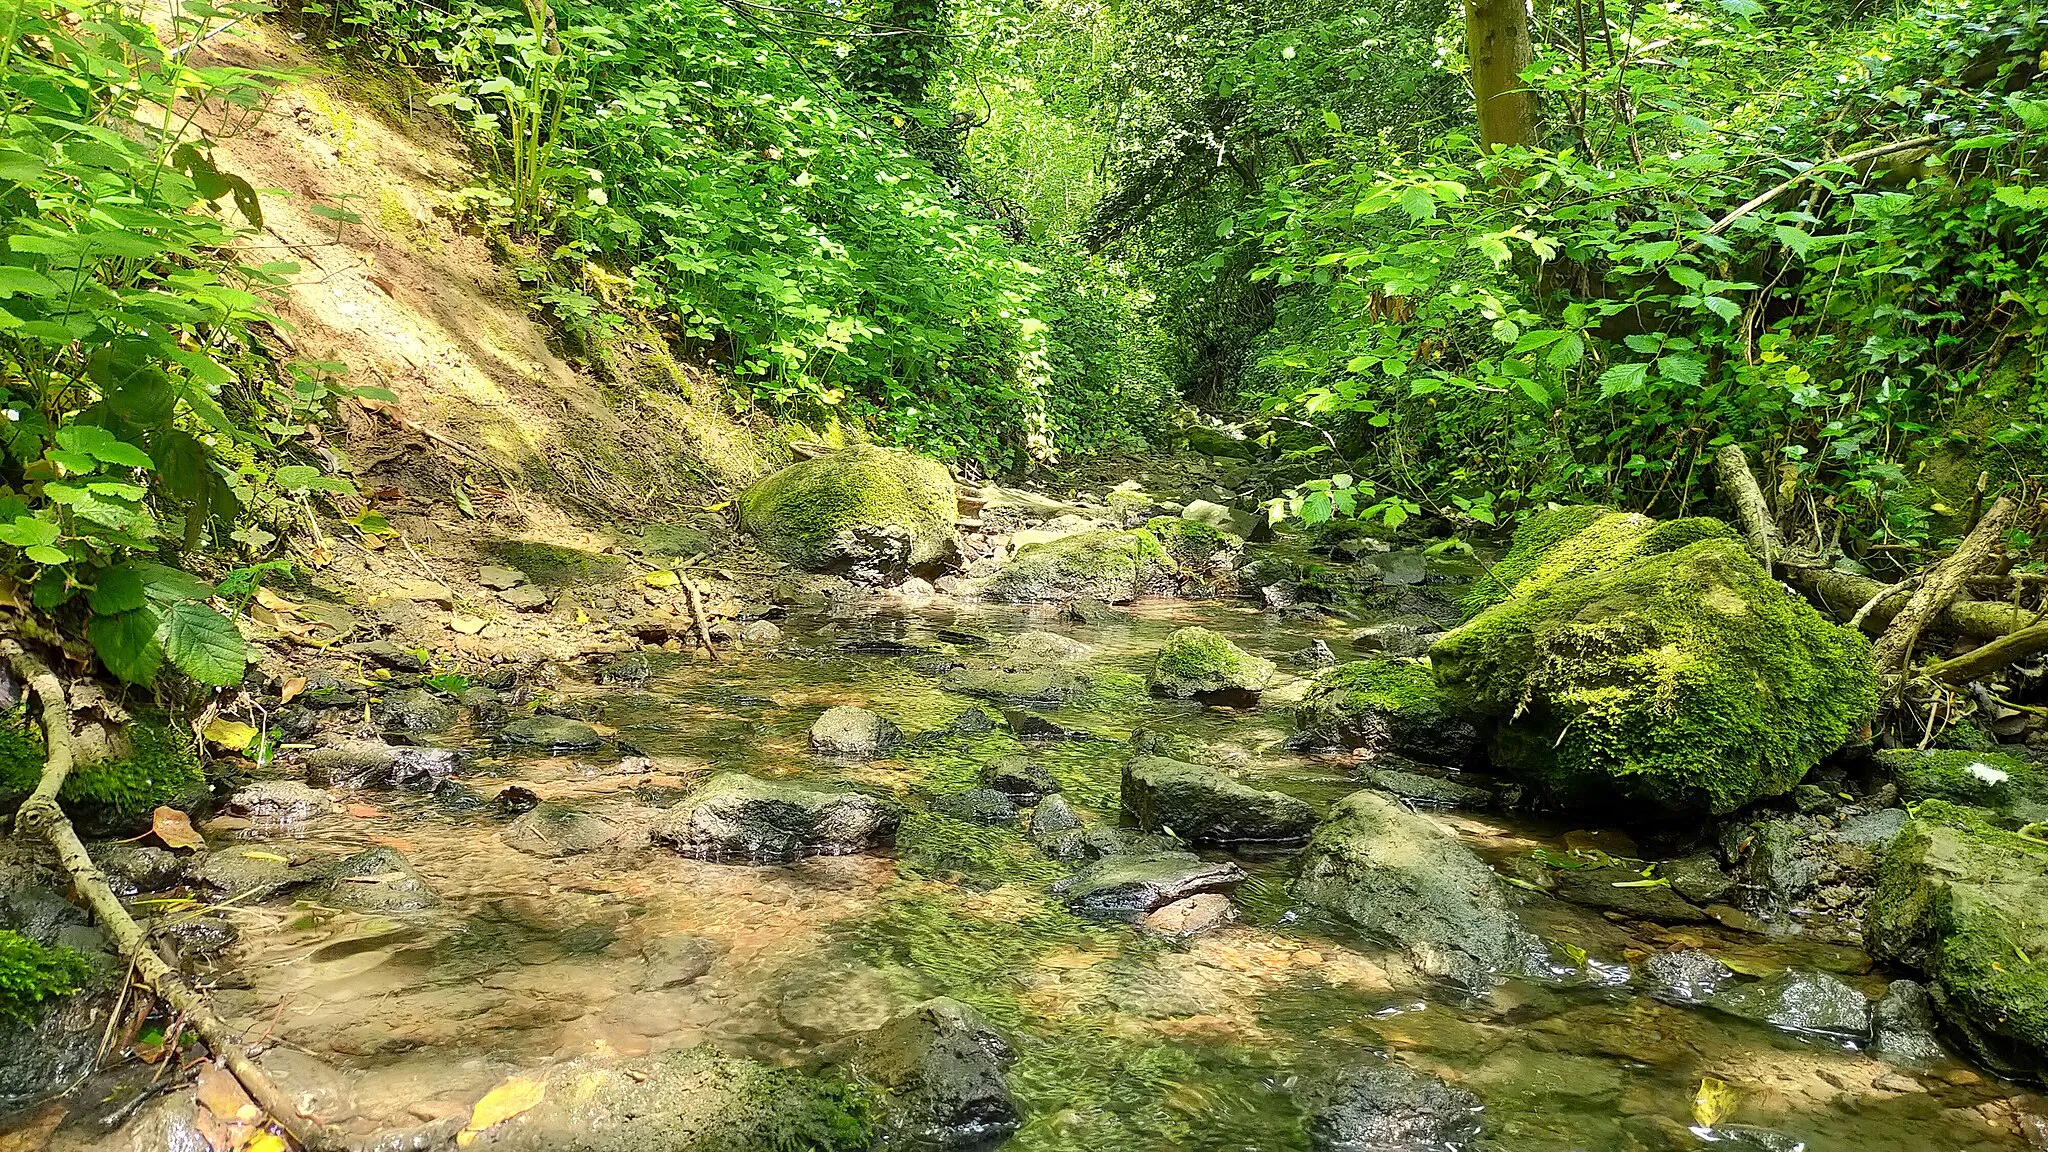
(1497, 41)
(1752, 511)
(1845, 594)
(1979, 550)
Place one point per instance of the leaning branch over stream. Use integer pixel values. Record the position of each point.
(1943, 583)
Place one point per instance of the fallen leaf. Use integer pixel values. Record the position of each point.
(274, 602)
(512, 1098)
(467, 625)
(1712, 1103)
(256, 854)
(231, 735)
(292, 688)
(661, 578)
(218, 1090)
(266, 1141)
(34, 1132)
(175, 829)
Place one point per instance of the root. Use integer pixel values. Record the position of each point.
(40, 816)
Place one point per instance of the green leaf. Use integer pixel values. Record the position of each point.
(1534, 391)
(1683, 368)
(1723, 307)
(117, 589)
(165, 585)
(126, 643)
(1623, 379)
(203, 644)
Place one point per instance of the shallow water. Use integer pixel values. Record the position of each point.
(1125, 1042)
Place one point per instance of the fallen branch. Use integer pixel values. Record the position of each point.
(1845, 594)
(1982, 661)
(1981, 549)
(42, 817)
(696, 602)
(1738, 483)
(1771, 194)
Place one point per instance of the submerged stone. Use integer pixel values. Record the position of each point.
(1390, 1108)
(1386, 706)
(1203, 805)
(940, 1070)
(743, 818)
(851, 733)
(1020, 778)
(1814, 1003)
(1688, 977)
(1400, 877)
(1199, 662)
(1197, 915)
(555, 830)
(375, 880)
(868, 511)
(555, 733)
(1128, 887)
(977, 806)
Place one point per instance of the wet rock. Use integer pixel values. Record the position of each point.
(1316, 655)
(131, 869)
(1617, 890)
(1385, 706)
(1195, 916)
(869, 512)
(1401, 877)
(1024, 685)
(1426, 789)
(255, 870)
(740, 817)
(418, 710)
(673, 961)
(1046, 647)
(631, 670)
(1020, 778)
(385, 654)
(940, 1069)
(513, 800)
(1390, 1108)
(1902, 1025)
(1872, 830)
(761, 632)
(1812, 1003)
(1106, 564)
(1395, 638)
(1034, 726)
(375, 764)
(1811, 798)
(1698, 878)
(977, 806)
(554, 733)
(1089, 610)
(853, 733)
(1784, 862)
(970, 722)
(554, 830)
(1198, 662)
(1689, 977)
(1203, 805)
(189, 938)
(1750, 1138)
(277, 804)
(1128, 887)
(459, 799)
(374, 880)
(56, 1044)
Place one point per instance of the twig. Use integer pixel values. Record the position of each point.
(697, 612)
(41, 817)
(1880, 596)
(1766, 197)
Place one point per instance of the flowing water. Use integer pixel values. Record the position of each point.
(1125, 1042)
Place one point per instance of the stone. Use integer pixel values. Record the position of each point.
(1426, 789)
(1020, 778)
(132, 869)
(1316, 655)
(1902, 1025)
(1203, 805)
(867, 512)
(1092, 611)
(1047, 684)
(1617, 661)
(385, 654)
(1400, 877)
(418, 710)
(1389, 1108)
(555, 566)
(674, 961)
(1873, 830)
(555, 733)
(1198, 662)
(1793, 1000)
(1234, 521)
(630, 670)
(1209, 441)
(1698, 878)
(56, 1044)
(254, 871)
(1614, 889)
(499, 578)
(971, 721)
(1395, 639)
(762, 632)
(375, 764)
(1111, 565)
(977, 806)
(555, 830)
(374, 880)
(742, 818)
(940, 1070)
(527, 598)
(1386, 706)
(1996, 780)
(1197, 915)
(1690, 977)
(1128, 887)
(849, 733)
(1205, 556)
(272, 805)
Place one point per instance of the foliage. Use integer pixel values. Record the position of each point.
(160, 767)
(31, 973)
(139, 414)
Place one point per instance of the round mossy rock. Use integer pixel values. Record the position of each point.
(1199, 662)
(859, 507)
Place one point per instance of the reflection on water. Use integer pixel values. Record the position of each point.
(1125, 1041)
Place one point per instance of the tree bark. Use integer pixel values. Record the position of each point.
(1738, 483)
(1983, 661)
(1845, 593)
(1978, 552)
(1497, 42)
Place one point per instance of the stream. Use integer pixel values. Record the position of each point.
(1125, 1040)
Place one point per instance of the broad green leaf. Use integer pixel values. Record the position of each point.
(1683, 368)
(117, 589)
(203, 644)
(1623, 379)
(126, 643)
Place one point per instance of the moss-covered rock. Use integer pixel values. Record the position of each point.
(1995, 780)
(868, 510)
(1104, 564)
(32, 974)
(1386, 706)
(556, 566)
(1205, 557)
(1212, 442)
(113, 796)
(1580, 540)
(1204, 805)
(1689, 680)
(1199, 662)
(1966, 905)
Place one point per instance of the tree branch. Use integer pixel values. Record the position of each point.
(1764, 198)
(1978, 551)
(1759, 527)
(1984, 660)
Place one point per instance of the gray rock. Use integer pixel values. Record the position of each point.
(940, 1069)
(1394, 1109)
(1750, 1138)
(255, 870)
(1427, 789)
(1203, 805)
(853, 733)
(375, 764)
(1046, 647)
(196, 937)
(1614, 889)
(740, 817)
(527, 597)
(1902, 1025)
(971, 722)
(418, 710)
(555, 733)
(1872, 830)
(374, 880)
(1689, 977)
(131, 869)
(1088, 610)
(500, 578)
(56, 1044)
(385, 654)
(1395, 638)
(1784, 863)
(977, 806)
(554, 830)
(1400, 877)
(1316, 655)
(1698, 878)
(279, 804)
(673, 961)
(1049, 685)
(1019, 777)
(632, 670)
(1812, 1003)
(760, 632)
(1128, 887)
(1197, 915)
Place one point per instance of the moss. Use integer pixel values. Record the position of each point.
(1689, 680)
(1104, 564)
(554, 566)
(1578, 541)
(1386, 705)
(161, 767)
(1986, 779)
(1671, 535)
(1197, 661)
(1533, 540)
(31, 973)
(805, 512)
(1191, 542)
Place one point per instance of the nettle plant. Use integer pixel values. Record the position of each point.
(137, 418)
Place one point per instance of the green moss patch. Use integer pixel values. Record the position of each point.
(162, 766)
(554, 566)
(32, 973)
(1994, 780)
(1580, 540)
(1199, 662)
(1386, 705)
(1104, 564)
(814, 512)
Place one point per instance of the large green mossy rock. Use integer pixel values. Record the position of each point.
(1564, 543)
(1966, 905)
(1104, 564)
(1687, 680)
(864, 508)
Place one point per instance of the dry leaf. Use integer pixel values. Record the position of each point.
(232, 735)
(175, 829)
(266, 1141)
(1712, 1103)
(397, 844)
(274, 602)
(222, 1094)
(512, 1098)
(292, 688)
(255, 854)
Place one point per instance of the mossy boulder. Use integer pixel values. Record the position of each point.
(1111, 565)
(1994, 780)
(1199, 662)
(1212, 442)
(113, 796)
(1386, 706)
(1965, 904)
(867, 511)
(1687, 680)
(1205, 557)
(1204, 805)
(1581, 540)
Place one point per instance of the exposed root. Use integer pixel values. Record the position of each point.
(1979, 551)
